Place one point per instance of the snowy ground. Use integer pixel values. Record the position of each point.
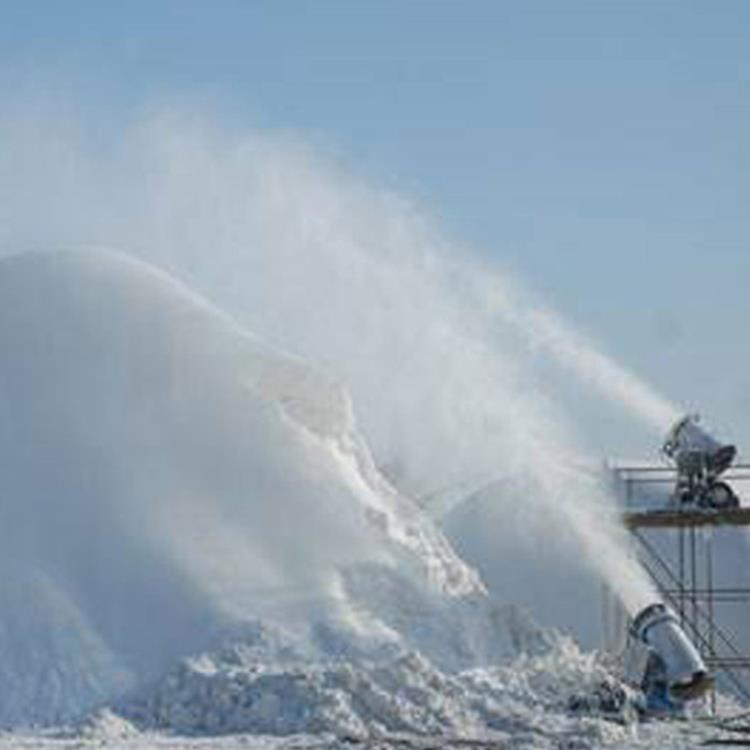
(405, 704)
(584, 735)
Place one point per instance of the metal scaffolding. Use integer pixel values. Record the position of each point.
(679, 556)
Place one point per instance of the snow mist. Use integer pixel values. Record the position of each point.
(442, 353)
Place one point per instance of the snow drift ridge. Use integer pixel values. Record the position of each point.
(166, 476)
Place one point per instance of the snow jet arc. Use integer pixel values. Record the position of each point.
(156, 462)
(270, 230)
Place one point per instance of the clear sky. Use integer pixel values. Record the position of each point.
(599, 148)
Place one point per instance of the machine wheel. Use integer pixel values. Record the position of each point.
(721, 495)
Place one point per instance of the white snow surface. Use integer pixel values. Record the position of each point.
(249, 687)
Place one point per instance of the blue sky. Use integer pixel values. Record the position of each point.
(598, 148)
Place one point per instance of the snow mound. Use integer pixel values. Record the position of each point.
(168, 478)
(232, 692)
(104, 726)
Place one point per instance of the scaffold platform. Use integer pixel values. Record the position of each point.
(682, 517)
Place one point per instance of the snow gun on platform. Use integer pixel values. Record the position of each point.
(699, 459)
(664, 662)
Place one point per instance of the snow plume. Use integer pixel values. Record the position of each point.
(547, 331)
(166, 479)
(442, 354)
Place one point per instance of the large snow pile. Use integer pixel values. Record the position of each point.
(239, 690)
(167, 478)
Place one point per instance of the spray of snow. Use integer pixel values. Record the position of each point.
(436, 351)
(546, 330)
(442, 366)
(166, 476)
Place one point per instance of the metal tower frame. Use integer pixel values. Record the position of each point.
(687, 579)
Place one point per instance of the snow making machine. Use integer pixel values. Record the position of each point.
(663, 662)
(699, 460)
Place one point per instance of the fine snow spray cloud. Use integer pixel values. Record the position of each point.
(440, 352)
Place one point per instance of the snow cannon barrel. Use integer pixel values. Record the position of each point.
(686, 674)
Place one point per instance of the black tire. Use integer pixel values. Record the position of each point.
(721, 495)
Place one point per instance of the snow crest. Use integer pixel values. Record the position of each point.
(168, 477)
